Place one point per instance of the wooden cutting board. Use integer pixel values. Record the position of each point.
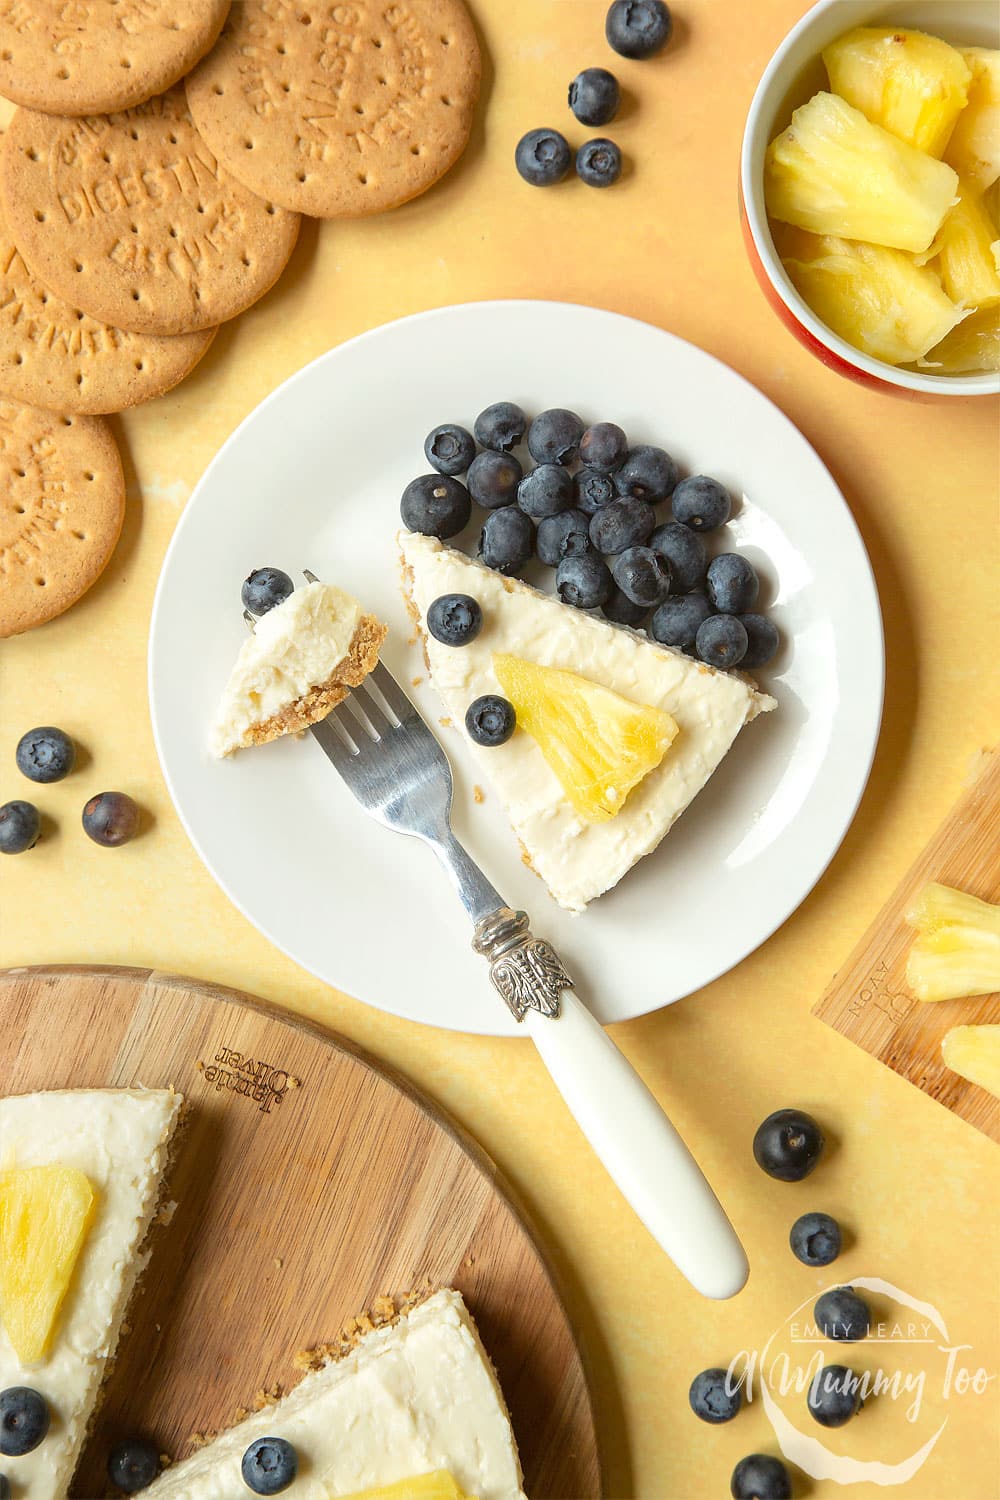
(309, 1181)
(868, 1000)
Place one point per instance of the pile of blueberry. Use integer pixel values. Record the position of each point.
(48, 754)
(634, 29)
(587, 509)
(787, 1146)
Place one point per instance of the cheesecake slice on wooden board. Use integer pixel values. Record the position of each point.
(118, 1140)
(414, 1397)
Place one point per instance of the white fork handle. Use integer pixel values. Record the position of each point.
(640, 1148)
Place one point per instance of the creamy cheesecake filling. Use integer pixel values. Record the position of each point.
(577, 860)
(295, 647)
(413, 1397)
(120, 1139)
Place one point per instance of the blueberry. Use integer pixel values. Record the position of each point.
(685, 553)
(842, 1315)
(834, 1395)
(732, 584)
(594, 96)
(620, 610)
(20, 825)
(554, 436)
(815, 1239)
(760, 1477)
(264, 589)
(642, 575)
(45, 754)
(714, 1397)
(565, 535)
(701, 503)
(622, 524)
(543, 157)
(592, 490)
(721, 641)
(490, 720)
(269, 1466)
(455, 619)
(599, 162)
(111, 819)
(507, 540)
(677, 621)
(638, 28)
(449, 449)
(436, 505)
(788, 1145)
(493, 479)
(584, 581)
(603, 447)
(648, 473)
(762, 638)
(545, 491)
(24, 1421)
(133, 1465)
(501, 426)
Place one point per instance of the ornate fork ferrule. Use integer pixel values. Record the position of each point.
(525, 970)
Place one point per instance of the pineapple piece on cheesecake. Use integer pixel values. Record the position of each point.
(45, 1214)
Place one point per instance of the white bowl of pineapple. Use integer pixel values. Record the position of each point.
(870, 192)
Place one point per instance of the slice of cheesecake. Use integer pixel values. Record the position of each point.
(413, 1398)
(576, 857)
(303, 658)
(80, 1181)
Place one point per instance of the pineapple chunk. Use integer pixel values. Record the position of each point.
(599, 744)
(974, 1051)
(957, 952)
(965, 253)
(943, 906)
(45, 1214)
(437, 1486)
(974, 148)
(973, 346)
(876, 299)
(833, 172)
(912, 84)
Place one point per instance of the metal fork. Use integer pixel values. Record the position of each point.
(398, 772)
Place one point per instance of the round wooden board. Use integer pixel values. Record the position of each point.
(297, 1206)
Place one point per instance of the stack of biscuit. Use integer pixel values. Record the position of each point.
(151, 186)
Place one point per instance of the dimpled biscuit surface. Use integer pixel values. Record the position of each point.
(339, 109)
(62, 503)
(130, 218)
(53, 355)
(79, 57)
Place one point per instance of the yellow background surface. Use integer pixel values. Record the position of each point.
(917, 1187)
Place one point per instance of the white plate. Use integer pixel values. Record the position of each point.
(312, 479)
